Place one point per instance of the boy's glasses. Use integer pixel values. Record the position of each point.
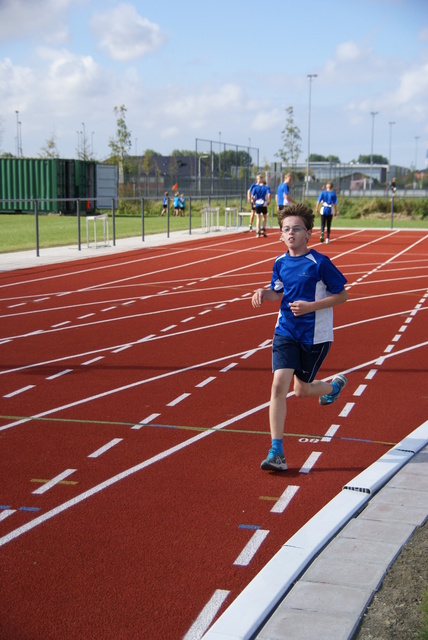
(296, 229)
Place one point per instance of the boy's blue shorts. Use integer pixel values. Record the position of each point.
(305, 359)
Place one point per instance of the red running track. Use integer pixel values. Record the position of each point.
(132, 504)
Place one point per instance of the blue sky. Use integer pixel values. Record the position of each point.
(224, 71)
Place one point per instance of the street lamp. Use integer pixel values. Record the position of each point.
(373, 114)
(416, 159)
(390, 147)
(311, 76)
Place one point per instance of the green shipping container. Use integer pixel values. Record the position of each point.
(50, 181)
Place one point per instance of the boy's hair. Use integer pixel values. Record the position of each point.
(301, 211)
(329, 185)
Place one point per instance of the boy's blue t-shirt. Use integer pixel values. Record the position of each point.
(281, 192)
(309, 277)
(328, 198)
(260, 193)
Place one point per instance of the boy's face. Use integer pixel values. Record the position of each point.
(295, 235)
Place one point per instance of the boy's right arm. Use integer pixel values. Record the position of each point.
(265, 294)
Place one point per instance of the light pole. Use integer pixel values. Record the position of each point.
(416, 158)
(390, 147)
(373, 114)
(311, 76)
(17, 134)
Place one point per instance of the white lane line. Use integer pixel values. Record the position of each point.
(146, 338)
(346, 410)
(20, 304)
(149, 418)
(61, 324)
(207, 615)
(92, 361)
(125, 304)
(6, 513)
(18, 391)
(284, 500)
(310, 462)
(371, 374)
(202, 313)
(360, 390)
(396, 337)
(402, 328)
(54, 481)
(389, 348)
(177, 400)
(188, 319)
(251, 548)
(330, 433)
(205, 382)
(58, 375)
(105, 448)
(88, 315)
(107, 309)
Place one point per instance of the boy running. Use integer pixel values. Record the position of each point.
(308, 285)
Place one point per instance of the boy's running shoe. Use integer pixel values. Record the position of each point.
(264, 233)
(338, 381)
(274, 462)
(327, 241)
(322, 237)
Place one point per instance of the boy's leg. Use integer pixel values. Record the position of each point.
(264, 224)
(258, 216)
(277, 413)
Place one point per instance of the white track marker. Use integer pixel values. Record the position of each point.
(310, 462)
(105, 448)
(84, 364)
(18, 391)
(284, 500)
(346, 410)
(330, 433)
(5, 513)
(58, 375)
(54, 481)
(251, 548)
(360, 390)
(207, 615)
(371, 374)
(177, 400)
(149, 418)
(205, 382)
(229, 366)
(171, 326)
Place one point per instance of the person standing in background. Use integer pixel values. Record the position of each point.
(327, 200)
(283, 198)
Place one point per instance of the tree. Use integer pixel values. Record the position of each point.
(377, 159)
(122, 142)
(290, 137)
(50, 150)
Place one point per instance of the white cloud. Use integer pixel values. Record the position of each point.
(124, 34)
(44, 20)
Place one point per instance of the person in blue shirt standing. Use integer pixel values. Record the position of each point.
(182, 204)
(176, 204)
(261, 199)
(327, 200)
(307, 285)
(165, 203)
(283, 197)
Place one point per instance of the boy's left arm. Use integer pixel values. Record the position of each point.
(301, 307)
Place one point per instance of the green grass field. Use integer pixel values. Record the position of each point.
(18, 231)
